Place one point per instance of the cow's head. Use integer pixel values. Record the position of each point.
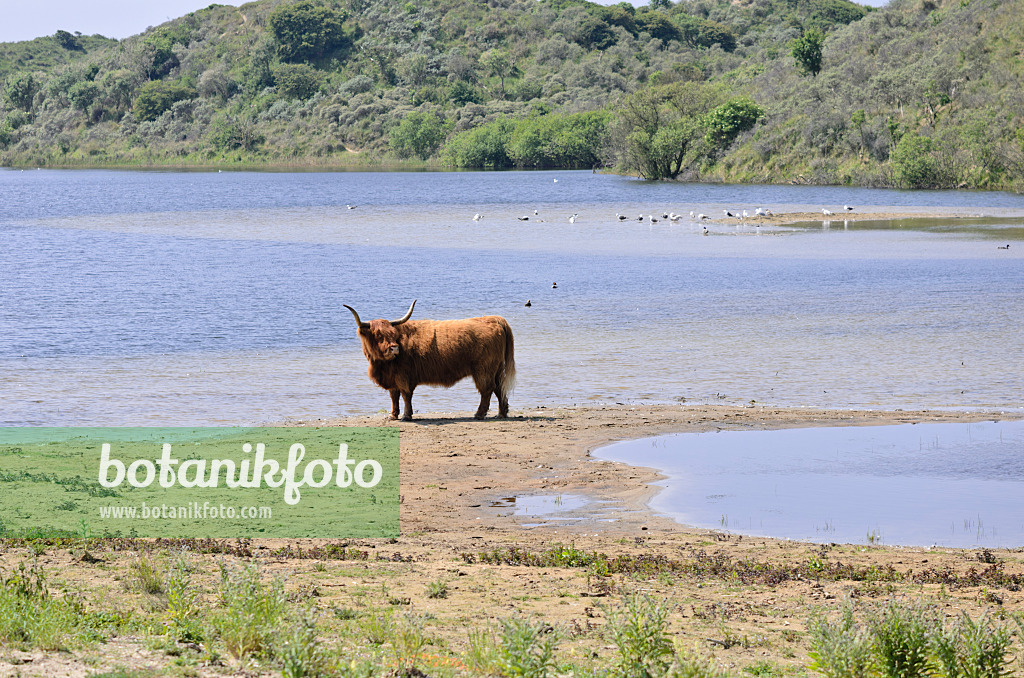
(380, 337)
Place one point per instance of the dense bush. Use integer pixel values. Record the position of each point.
(296, 81)
(306, 30)
(419, 134)
(158, 96)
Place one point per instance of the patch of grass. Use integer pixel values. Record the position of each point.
(31, 617)
(144, 576)
(437, 589)
(251, 611)
(764, 669)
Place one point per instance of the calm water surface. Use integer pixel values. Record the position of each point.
(187, 298)
(958, 485)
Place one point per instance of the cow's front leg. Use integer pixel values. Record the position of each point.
(407, 397)
(394, 402)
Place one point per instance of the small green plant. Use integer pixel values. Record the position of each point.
(437, 589)
(841, 649)
(688, 665)
(346, 613)
(378, 626)
(407, 643)
(182, 600)
(639, 630)
(973, 649)
(763, 669)
(900, 633)
(31, 617)
(145, 576)
(297, 648)
(482, 654)
(251, 611)
(527, 649)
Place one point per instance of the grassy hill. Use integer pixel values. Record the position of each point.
(920, 93)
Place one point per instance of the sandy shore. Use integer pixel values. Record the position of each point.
(780, 218)
(457, 471)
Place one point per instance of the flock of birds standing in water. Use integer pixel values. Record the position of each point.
(673, 217)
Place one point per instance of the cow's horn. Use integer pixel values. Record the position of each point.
(358, 321)
(406, 316)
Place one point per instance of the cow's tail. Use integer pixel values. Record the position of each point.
(507, 378)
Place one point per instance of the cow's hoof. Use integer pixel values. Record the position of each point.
(480, 415)
(394, 415)
(407, 417)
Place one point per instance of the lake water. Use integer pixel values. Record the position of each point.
(199, 298)
(958, 485)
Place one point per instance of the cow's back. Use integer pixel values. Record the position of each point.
(445, 351)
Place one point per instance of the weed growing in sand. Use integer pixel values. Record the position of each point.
(693, 666)
(527, 650)
(900, 633)
(973, 649)
(252, 611)
(31, 617)
(639, 630)
(144, 576)
(378, 626)
(297, 648)
(909, 641)
(437, 589)
(841, 649)
(407, 643)
(182, 600)
(482, 654)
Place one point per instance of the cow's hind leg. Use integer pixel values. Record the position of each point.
(394, 402)
(502, 401)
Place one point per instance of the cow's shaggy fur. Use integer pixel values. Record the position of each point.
(409, 353)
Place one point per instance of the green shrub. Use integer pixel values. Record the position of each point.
(913, 163)
(726, 122)
(842, 649)
(307, 30)
(639, 629)
(418, 134)
(158, 96)
(527, 650)
(900, 633)
(247, 624)
(297, 81)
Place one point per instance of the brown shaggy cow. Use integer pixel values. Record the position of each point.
(405, 353)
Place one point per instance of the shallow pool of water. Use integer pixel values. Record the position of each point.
(946, 484)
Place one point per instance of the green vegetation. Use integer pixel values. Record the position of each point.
(909, 641)
(204, 603)
(916, 94)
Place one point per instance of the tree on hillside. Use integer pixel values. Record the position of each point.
(306, 30)
(158, 96)
(67, 41)
(21, 90)
(660, 128)
(807, 50)
(498, 63)
(726, 122)
(419, 134)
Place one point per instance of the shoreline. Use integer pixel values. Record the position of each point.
(464, 470)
